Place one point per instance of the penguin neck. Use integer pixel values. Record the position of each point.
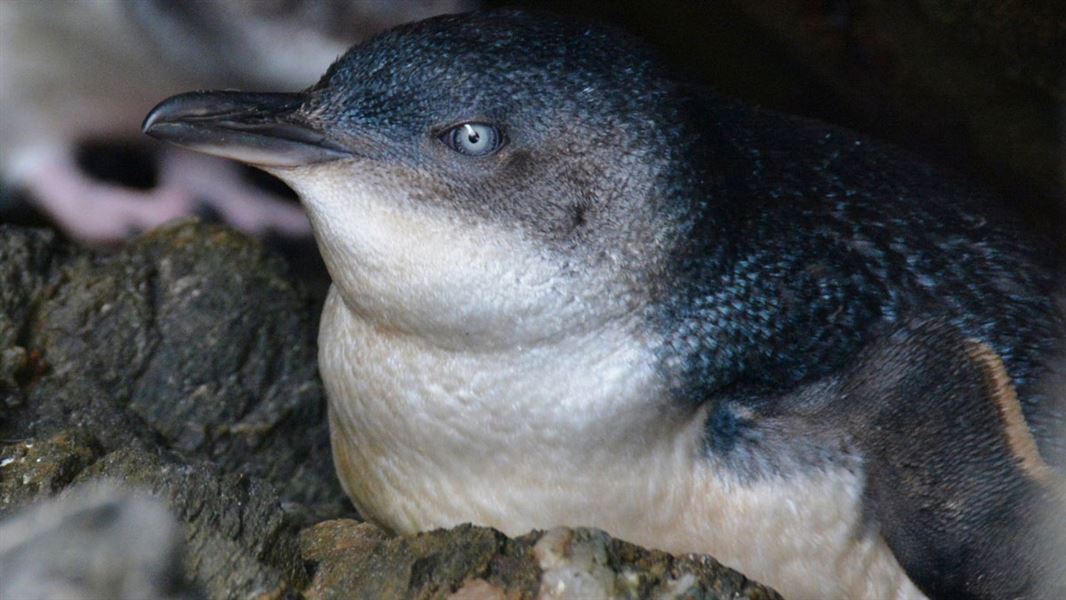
(572, 382)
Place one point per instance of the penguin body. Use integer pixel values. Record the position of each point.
(570, 289)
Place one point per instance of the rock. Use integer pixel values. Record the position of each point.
(150, 366)
(357, 560)
(95, 542)
(37, 470)
(240, 541)
(27, 258)
(159, 343)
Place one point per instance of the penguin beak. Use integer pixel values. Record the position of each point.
(259, 129)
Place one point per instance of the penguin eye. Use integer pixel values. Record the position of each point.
(473, 139)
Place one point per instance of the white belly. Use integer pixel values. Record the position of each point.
(566, 435)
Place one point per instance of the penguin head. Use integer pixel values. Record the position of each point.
(488, 176)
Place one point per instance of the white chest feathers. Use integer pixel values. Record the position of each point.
(570, 433)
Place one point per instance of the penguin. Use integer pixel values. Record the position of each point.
(73, 72)
(571, 288)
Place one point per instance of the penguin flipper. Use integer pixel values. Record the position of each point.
(955, 482)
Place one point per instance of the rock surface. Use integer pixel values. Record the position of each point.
(357, 560)
(97, 542)
(189, 339)
(183, 366)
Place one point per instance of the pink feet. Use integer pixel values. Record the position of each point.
(96, 212)
(217, 184)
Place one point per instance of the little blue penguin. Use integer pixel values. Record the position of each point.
(570, 288)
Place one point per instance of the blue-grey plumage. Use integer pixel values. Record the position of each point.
(570, 288)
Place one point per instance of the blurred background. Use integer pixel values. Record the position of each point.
(977, 86)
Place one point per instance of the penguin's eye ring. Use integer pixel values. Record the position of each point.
(473, 139)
